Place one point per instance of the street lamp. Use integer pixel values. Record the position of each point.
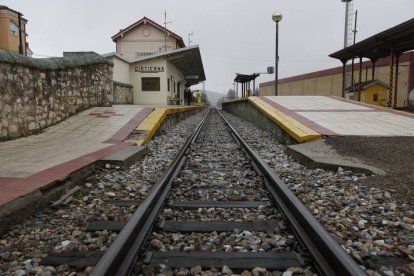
(276, 16)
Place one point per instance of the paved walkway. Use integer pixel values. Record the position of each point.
(38, 161)
(333, 116)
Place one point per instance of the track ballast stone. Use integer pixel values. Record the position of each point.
(366, 221)
(217, 169)
(63, 229)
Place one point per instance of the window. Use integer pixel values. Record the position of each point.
(168, 84)
(14, 29)
(150, 84)
(375, 97)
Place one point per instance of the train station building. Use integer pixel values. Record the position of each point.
(154, 64)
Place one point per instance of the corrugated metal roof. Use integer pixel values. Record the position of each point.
(400, 38)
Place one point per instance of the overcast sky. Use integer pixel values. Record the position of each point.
(233, 35)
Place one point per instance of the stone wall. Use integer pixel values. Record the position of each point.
(123, 93)
(37, 93)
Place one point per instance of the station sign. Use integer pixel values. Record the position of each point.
(145, 54)
(149, 69)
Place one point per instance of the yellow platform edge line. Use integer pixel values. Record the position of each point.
(155, 119)
(295, 129)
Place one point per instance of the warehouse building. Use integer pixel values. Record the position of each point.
(390, 66)
(329, 82)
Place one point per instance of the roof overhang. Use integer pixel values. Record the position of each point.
(242, 78)
(115, 55)
(145, 21)
(366, 84)
(187, 60)
(13, 12)
(399, 38)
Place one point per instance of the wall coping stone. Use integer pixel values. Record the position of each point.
(123, 84)
(56, 63)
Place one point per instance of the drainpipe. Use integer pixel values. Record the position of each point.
(20, 34)
(397, 64)
(373, 68)
(358, 95)
(343, 78)
(391, 83)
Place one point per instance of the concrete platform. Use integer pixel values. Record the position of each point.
(312, 119)
(38, 161)
(333, 116)
(318, 154)
(309, 118)
(147, 129)
(125, 157)
(37, 169)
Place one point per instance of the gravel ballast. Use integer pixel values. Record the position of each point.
(63, 229)
(371, 222)
(395, 155)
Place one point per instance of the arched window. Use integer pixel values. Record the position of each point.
(14, 29)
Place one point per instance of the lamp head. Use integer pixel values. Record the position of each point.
(277, 16)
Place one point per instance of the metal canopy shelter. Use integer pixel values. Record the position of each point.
(187, 60)
(245, 82)
(392, 42)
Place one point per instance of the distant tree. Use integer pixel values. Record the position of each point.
(231, 94)
(205, 98)
(219, 102)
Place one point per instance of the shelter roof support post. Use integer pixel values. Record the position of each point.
(343, 78)
(237, 90)
(352, 71)
(249, 90)
(391, 78)
(397, 63)
(373, 61)
(410, 79)
(254, 87)
(358, 94)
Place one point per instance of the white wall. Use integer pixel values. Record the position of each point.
(144, 38)
(121, 70)
(173, 71)
(149, 97)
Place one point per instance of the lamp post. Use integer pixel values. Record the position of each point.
(277, 16)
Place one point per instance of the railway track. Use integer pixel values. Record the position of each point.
(222, 208)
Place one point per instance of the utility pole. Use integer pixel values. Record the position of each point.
(166, 31)
(353, 62)
(348, 23)
(347, 35)
(189, 38)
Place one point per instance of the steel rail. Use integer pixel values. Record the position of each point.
(330, 258)
(120, 257)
